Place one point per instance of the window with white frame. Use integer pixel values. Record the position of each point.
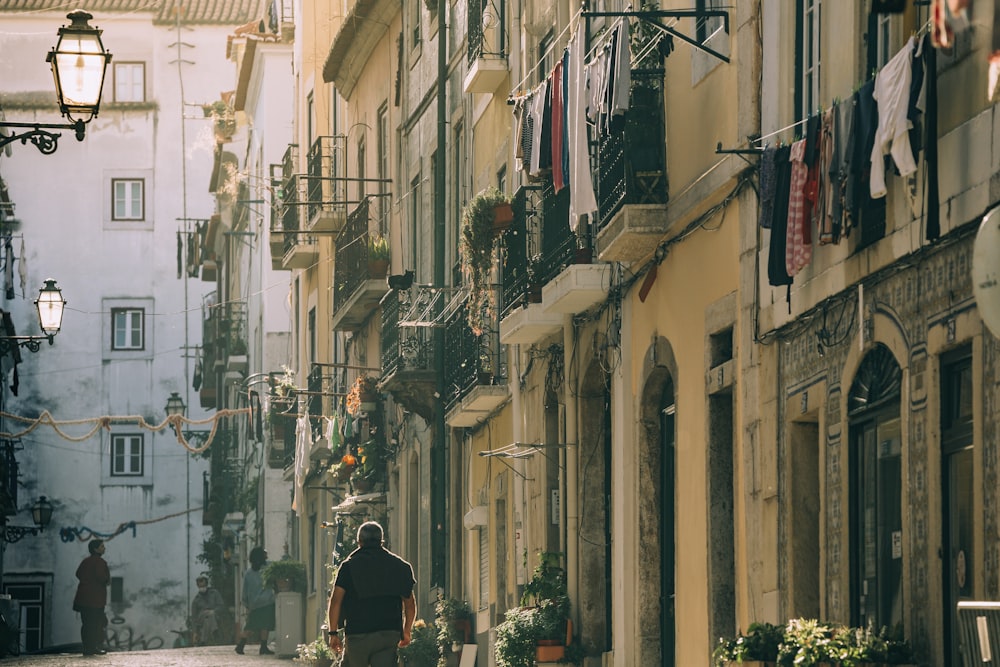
(807, 58)
(130, 82)
(128, 199)
(128, 328)
(127, 455)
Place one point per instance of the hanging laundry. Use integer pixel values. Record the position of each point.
(840, 168)
(621, 79)
(933, 209)
(993, 76)
(798, 241)
(565, 119)
(518, 126)
(767, 185)
(537, 114)
(558, 117)
(22, 268)
(892, 96)
(823, 212)
(8, 268)
(777, 275)
(545, 138)
(582, 200)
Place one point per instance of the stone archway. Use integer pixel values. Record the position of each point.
(595, 597)
(655, 462)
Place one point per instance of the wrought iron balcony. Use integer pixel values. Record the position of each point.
(326, 191)
(357, 287)
(407, 348)
(475, 377)
(487, 40)
(8, 476)
(631, 172)
(292, 247)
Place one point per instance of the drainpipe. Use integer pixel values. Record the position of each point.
(518, 431)
(439, 460)
(571, 499)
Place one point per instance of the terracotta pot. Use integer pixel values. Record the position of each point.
(323, 662)
(503, 217)
(547, 653)
(378, 268)
(283, 585)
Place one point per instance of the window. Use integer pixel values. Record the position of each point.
(127, 329)
(127, 455)
(545, 63)
(383, 166)
(807, 62)
(128, 198)
(362, 158)
(130, 82)
(310, 119)
(414, 24)
(708, 27)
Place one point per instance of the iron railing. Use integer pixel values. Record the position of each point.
(404, 348)
(471, 360)
(351, 259)
(631, 160)
(325, 189)
(487, 35)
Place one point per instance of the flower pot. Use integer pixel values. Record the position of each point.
(323, 662)
(283, 585)
(549, 652)
(378, 268)
(503, 217)
(362, 485)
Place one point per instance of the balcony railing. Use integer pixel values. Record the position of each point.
(326, 191)
(471, 360)
(404, 347)
(631, 162)
(486, 32)
(539, 245)
(351, 263)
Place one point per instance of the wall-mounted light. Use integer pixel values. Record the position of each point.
(50, 305)
(41, 514)
(79, 64)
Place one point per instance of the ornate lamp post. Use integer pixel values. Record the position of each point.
(79, 63)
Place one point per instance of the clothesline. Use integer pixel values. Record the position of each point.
(516, 90)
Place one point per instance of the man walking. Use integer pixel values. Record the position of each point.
(374, 602)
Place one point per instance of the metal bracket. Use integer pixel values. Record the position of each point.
(652, 16)
(46, 142)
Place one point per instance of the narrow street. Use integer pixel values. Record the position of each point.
(202, 656)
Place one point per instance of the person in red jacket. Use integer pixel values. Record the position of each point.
(91, 596)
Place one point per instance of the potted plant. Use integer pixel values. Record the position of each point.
(317, 652)
(285, 575)
(423, 648)
(378, 256)
(758, 647)
(363, 395)
(515, 638)
(224, 118)
(477, 250)
(453, 618)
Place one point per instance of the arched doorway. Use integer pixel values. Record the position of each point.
(875, 491)
(595, 541)
(657, 482)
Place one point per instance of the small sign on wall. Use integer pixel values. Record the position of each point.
(556, 509)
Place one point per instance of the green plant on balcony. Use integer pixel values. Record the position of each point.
(378, 256)
(477, 251)
(285, 572)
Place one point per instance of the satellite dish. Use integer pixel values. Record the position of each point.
(986, 271)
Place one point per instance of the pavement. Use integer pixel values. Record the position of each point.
(200, 656)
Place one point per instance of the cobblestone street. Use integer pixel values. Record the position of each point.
(204, 656)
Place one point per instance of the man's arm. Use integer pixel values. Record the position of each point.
(409, 613)
(333, 617)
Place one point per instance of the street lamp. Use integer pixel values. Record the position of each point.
(41, 514)
(50, 305)
(79, 63)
